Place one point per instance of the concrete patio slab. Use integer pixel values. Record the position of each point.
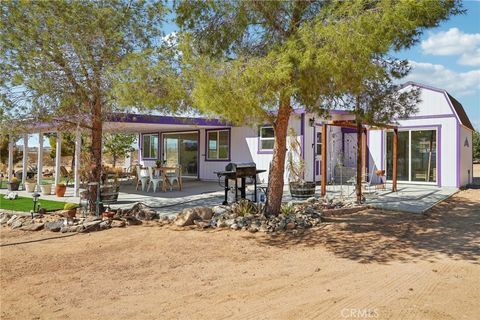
(409, 198)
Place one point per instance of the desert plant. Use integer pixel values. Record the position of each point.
(286, 209)
(244, 207)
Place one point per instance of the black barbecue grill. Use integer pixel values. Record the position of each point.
(236, 171)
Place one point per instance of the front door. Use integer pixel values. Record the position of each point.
(181, 148)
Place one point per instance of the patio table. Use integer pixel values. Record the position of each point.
(162, 171)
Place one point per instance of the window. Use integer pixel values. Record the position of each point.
(266, 138)
(150, 146)
(319, 144)
(218, 146)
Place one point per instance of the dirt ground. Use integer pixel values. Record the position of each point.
(373, 264)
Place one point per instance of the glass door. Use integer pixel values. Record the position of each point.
(417, 156)
(181, 148)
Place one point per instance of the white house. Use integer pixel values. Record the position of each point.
(434, 145)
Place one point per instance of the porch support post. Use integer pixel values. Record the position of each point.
(39, 160)
(394, 171)
(24, 160)
(10, 158)
(76, 170)
(324, 160)
(364, 154)
(58, 157)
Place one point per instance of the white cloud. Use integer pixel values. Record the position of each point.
(454, 42)
(436, 75)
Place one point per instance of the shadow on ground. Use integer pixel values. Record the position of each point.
(451, 228)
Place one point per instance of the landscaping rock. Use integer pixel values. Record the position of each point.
(219, 210)
(17, 223)
(202, 223)
(12, 218)
(54, 226)
(118, 224)
(4, 218)
(32, 227)
(132, 221)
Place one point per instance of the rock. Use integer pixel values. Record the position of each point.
(132, 221)
(17, 223)
(311, 200)
(91, 218)
(118, 224)
(229, 222)
(290, 225)
(186, 217)
(234, 226)
(253, 229)
(12, 218)
(32, 227)
(4, 217)
(54, 226)
(205, 213)
(202, 223)
(221, 224)
(42, 211)
(219, 210)
(104, 225)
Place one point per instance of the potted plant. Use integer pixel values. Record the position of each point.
(158, 163)
(60, 189)
(46, 187)
(299, 188)
(13, 184)
(71, 209)
(30, 185)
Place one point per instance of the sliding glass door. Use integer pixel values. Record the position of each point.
(416, 155)
(181, 148)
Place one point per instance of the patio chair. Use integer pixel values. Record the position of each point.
(153, 180)
(175, 175)
(141, 179)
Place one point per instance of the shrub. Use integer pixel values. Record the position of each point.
(286, 209)
(244, 208)
(70, 206)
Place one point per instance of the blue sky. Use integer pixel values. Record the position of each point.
(448, 57)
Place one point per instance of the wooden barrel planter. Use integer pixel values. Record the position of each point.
(302, 190)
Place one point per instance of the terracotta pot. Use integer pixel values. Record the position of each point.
(108, 214)
(13, 186)
(60, 190)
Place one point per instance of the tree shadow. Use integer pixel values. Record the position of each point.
(451, 228)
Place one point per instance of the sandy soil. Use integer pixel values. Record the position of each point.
(373, 264)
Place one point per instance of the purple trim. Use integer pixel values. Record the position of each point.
(144, 118)
(229, 145)
(198, 145)
(367, 161)
(439, 147)
(259, 151)
(430, 117)
(158, 145)
(458, 155)
(382, 147)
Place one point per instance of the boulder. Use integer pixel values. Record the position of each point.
(202, 223)
(4, 218)
(219, 210)
(12, 218)
(17, 223)
(290, 225)
(205, 213)
(32, 227)
(54, 226)
(132, 221)
(118, 224)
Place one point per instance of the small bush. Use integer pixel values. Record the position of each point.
(286, 209)
(70, 206)
(244, 208)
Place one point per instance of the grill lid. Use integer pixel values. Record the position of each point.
(232, 166)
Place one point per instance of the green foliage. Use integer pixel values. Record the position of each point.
(70, 206)
(118, 145)
(244, 208)
(476, 145)
(286, 209)
(68, 144)
(25, 204)
(17, 154)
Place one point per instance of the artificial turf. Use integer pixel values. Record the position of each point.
(26, 204)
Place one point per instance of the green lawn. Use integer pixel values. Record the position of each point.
(26, 204)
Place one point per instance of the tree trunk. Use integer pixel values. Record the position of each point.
(358, 187)
(96, 164)
(276, 175)
(114, 160)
